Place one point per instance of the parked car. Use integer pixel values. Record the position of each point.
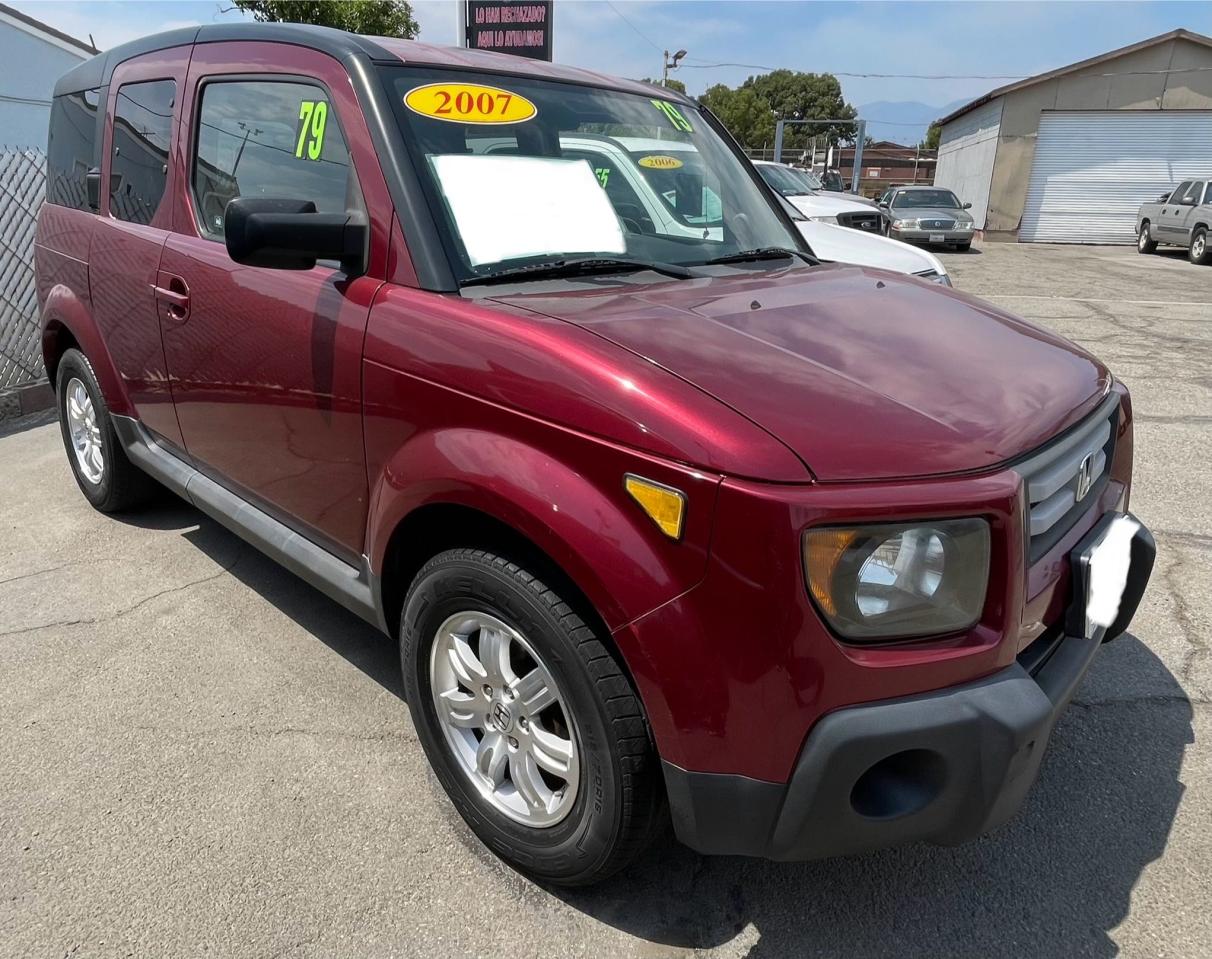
(810, 556)
(821, 207)
(927, 214)
(1182, 217)
(837, 244)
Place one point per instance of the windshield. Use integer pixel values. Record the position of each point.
(920, 199)
(525, 171)
(787, 181)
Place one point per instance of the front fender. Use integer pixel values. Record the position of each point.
(65, 312)
(579, 515)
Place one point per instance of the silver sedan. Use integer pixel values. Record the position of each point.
(926, 214)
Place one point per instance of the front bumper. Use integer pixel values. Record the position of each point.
(944, 766)
(927, 236)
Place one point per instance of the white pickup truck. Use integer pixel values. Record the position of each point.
(1182, 217)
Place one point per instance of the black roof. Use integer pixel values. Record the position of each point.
(337, 43)
(341, 46)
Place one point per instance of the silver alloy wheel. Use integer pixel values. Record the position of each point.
(1198, 246)
(511, 735)
(84, 431)
(1142, 238)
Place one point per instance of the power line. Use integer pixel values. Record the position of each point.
(640, 32)
(946, 76)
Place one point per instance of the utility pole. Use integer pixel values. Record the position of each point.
(670, 64)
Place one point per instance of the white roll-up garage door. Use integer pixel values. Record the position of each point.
(1092, 170)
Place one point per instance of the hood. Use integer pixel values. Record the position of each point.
(826, 204)
(863, 374)
(932, 212)
(840, 244)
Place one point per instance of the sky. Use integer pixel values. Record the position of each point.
(973, 44)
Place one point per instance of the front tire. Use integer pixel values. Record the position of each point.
(108, 480)
(1198, 251)
(529, 722)
(1143, 243)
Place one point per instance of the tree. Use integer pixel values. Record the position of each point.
(746, 115)
(670, 84)
(792, 95)
(932, 135)
(379, 18)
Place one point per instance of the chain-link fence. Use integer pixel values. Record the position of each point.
(22, 187)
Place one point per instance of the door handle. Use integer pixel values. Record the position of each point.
(172, 293)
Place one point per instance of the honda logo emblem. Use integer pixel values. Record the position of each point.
(1085, 476)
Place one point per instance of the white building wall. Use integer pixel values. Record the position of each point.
(966, 151)
(30, 63)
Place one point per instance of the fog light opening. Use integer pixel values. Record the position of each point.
(899, 785)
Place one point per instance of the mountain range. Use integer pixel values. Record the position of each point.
(904, 121)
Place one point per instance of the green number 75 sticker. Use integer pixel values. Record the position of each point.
(313, 117)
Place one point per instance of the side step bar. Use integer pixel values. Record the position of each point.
(341, 582)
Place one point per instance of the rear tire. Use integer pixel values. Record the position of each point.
(108, 480)
(587, 805)
(1143, 243)
(1198, 251)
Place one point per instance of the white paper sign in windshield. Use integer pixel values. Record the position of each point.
(506, 207)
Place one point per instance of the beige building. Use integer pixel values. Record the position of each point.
(1068, 156)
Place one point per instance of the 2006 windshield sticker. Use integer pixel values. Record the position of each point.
(313, 118)
(469, 103)
(673, 115)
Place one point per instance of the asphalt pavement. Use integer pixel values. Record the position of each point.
(199, 755)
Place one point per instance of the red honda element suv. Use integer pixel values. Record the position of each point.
(668, 518)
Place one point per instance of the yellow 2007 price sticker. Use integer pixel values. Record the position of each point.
(660, 162)
(469, 103)
(313, 118)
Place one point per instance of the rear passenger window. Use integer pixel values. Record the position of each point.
(138, 171)
(267, 139)
(71, 148)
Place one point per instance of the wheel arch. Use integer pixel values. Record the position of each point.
(67, 323)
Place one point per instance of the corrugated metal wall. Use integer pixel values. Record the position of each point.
(1092, 170)
(966, 151)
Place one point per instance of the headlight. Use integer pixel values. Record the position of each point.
(941, 278)
(898, 580)
(824, 219)
(905, 224)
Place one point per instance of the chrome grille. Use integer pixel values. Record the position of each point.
(937, 224)
(1075, 463)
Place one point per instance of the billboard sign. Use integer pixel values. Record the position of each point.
(523, 29)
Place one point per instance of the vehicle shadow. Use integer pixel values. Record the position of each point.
(19, 424)
(341, 631)
(1052, 883)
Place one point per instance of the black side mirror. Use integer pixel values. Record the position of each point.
(92, 186)
(1164, 198)
(967, 206)
(291, 235)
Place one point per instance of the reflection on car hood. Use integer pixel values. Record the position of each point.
(840, 244)
(864, 374)
(826, 204)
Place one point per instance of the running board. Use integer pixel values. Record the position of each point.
(338, 580)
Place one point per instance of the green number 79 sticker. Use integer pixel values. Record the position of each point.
(313, 117)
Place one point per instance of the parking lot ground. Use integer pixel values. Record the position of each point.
(199, 755)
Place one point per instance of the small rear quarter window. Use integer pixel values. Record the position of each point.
(72, 148)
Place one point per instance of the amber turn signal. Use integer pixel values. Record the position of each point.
(665, 505)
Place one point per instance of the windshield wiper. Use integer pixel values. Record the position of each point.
(762, 253)
(580, 266)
